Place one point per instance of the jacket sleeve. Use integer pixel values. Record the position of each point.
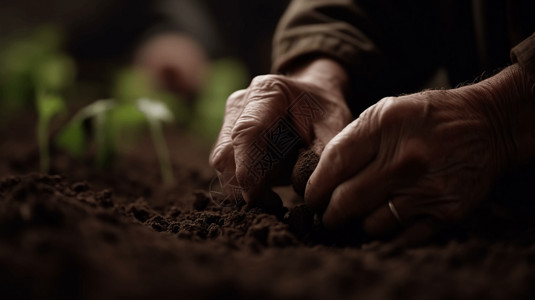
(332, 28)
(524, 55)
(383, 46)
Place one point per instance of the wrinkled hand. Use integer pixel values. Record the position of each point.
(434, 154)
(305, 107)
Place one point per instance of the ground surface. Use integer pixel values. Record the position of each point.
(119, 234)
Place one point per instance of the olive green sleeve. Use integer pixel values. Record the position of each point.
(385, 49)
(334, 28)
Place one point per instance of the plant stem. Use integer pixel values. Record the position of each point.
(162, 151)
(100, 139)
(42, 140)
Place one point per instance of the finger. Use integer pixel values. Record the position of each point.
(346, 154)
(417, 233)
(357, 196)
(264, 113)
(222, 155)
(383, 222)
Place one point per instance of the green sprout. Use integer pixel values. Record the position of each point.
(116, 123)
(98, 110)
(157, 113)
(131, 84)
(50, 78)
(24, 60)
(34, 68)
(73, 137)
(48, 106)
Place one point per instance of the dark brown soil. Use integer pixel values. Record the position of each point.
(307, 160)
(120, 234)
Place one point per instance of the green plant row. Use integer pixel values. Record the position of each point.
(34, 67)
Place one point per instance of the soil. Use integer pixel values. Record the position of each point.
(84, 233)
(307, 160)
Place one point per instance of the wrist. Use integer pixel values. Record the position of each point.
(325, 73)
(510, 106)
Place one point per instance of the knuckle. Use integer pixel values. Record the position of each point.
(243, 127)
(380, 113)
(268, 82)
(236, 96)
(414, 157)
(390, 111)
(332, 154)
(235, 100)
(262, 79)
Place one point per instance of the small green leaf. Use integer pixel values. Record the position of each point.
(48, 105)
(94, 109)
(55, 73)
(155, 110)
(72, 139)
(128, 115)
(126, 125)
(157, 113)
(131, 85)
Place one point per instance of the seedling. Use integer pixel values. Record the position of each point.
(131, 84)
(48, 106)
(24, 59)
(158, 113)
(19, 58)
(73, 137)
(116, 123)
(51, 77)
(33, 68)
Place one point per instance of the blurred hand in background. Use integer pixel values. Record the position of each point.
(174, 62)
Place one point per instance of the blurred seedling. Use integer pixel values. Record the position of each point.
(158, 113)
(32, 66)
(48, 106)
(131, 84)
(50, 79)
(20, 57)
(119, 122)
(73, 137)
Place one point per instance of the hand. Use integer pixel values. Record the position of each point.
(434, 154)
(306, 106)
(174, 62)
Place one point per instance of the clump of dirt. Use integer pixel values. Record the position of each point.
(307, 160)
